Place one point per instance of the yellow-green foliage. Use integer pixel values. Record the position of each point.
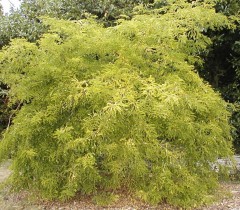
(112, 108)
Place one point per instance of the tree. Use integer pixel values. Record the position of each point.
(119, 107)
(76, 9)
(17, 25)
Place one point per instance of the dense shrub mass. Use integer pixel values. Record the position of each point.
(111, 108)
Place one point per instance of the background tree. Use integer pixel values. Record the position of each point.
(107, 11)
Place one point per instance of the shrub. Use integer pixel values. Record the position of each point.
(112, 108)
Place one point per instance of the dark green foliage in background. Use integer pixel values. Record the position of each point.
(17, 25)
(221, 66)
(105, 10)
(116, 108)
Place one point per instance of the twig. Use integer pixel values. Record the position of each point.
(10, 117)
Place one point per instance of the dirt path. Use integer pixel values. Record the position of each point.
(20, 201)
(231, 200)
(13, 201)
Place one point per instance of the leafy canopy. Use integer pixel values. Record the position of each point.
(77, 9)
(120, 107)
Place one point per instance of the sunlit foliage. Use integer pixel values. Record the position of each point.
(122, 107)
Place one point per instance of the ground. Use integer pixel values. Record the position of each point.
(229, 195)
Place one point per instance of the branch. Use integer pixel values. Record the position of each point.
(10, 117)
